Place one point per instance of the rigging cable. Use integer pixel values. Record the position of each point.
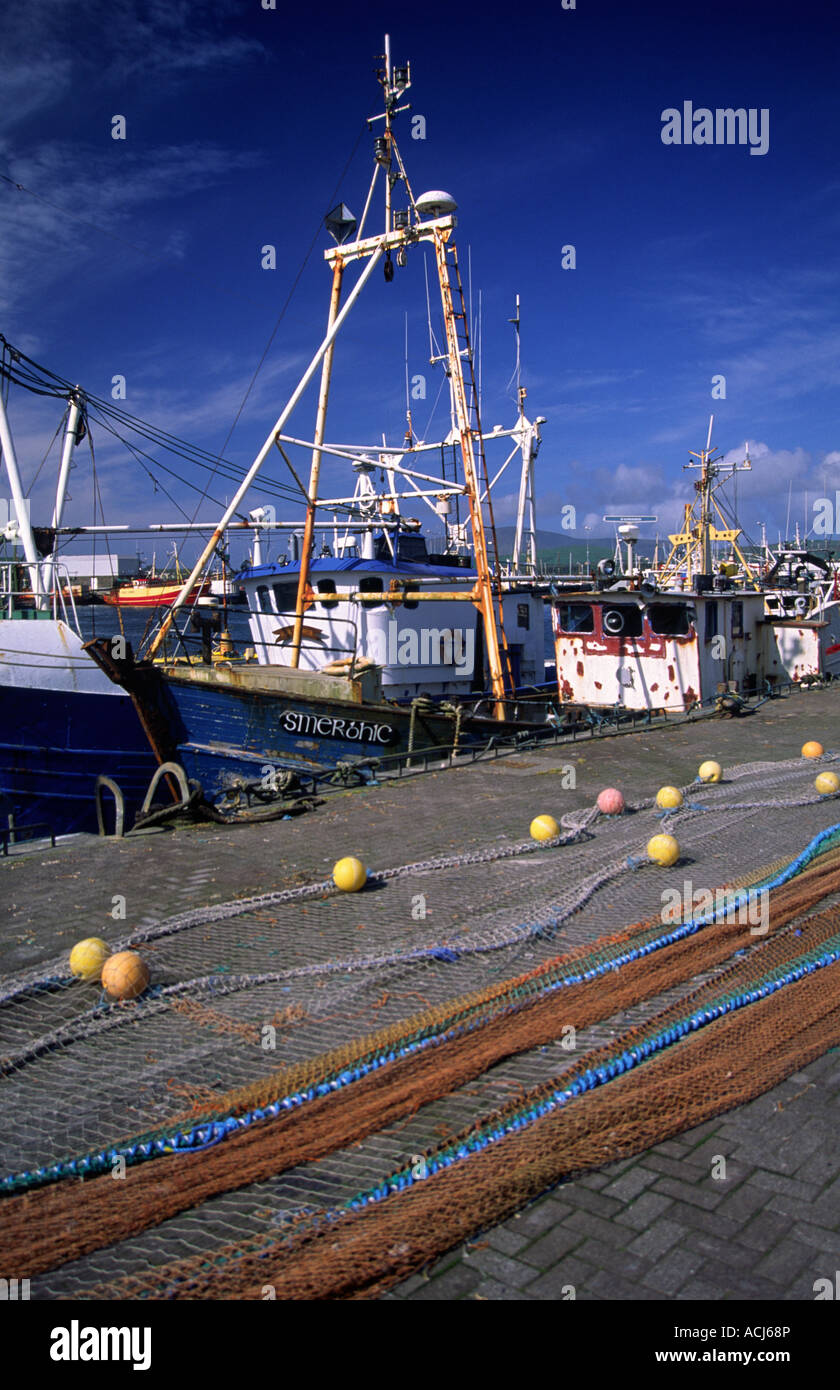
(282, 313)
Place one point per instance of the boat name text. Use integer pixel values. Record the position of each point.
(325, 726)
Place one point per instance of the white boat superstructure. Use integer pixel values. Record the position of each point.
(441, 621)
(698, 628)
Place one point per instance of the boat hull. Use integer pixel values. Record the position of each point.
(226, 733)
(54, 746)
(63, 724)
(152, 596)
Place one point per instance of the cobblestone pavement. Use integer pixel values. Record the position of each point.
(662, 1226)
(667, 1224)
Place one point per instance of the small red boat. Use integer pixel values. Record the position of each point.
(144, 593)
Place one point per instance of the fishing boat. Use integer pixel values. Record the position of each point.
(155, 590)
(688, 633)
(148, 593)
(63, 724)
(377, 643)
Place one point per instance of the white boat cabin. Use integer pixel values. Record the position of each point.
(667, 650)
(364, 609)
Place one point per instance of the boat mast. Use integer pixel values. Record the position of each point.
(485, 586)
(706, 502)
(72, 434)
(398, 234)
(694, 541)
(315, 467)
(30, 550)
(247, 481)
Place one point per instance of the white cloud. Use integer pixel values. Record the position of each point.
(90, 200)
(49, 50)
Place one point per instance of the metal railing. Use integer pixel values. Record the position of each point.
(15, 599)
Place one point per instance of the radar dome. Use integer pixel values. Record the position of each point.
(435, 203)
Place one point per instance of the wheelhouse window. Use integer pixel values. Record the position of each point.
(737, 617)
(622, 621)
(411, 602)
(285, 597)
(325, 588)
(263, 600)
(669, 619)
(575, 617)
(711, 629)
(523, 615)
(370, 592)
(411, 548)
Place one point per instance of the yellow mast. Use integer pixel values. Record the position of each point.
(400, 232)
(692, 546)
(485, 580)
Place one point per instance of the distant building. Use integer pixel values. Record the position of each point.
(99, 572)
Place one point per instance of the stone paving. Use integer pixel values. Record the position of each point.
(663, 1225)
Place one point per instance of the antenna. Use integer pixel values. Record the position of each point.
(409, 429)
(517, 371)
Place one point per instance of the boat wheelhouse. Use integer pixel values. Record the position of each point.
(411, 615)
(802, 596)
(657, 650)
(649, 649)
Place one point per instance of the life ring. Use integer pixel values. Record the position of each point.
(606, 567)
(613, 621)
(801, 605)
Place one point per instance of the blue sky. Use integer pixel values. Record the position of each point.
(141, 257)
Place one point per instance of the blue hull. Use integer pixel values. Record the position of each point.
(54, 744)
(224, 735)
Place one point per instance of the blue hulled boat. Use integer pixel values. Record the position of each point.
(62, 724)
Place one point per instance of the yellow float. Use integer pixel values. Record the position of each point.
(349, 875)
(88, 957)
(663, 849)
(544, 828)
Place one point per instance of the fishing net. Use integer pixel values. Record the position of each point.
(320, 1092)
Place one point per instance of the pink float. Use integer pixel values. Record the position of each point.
(610, 802)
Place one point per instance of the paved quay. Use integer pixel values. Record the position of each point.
(747, 1206)
(50, 896)
(660, 1226)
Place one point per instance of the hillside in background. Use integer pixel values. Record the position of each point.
(554, 548)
